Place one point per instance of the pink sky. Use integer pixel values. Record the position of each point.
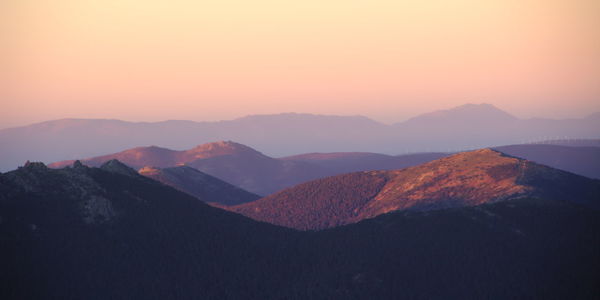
(209, 60)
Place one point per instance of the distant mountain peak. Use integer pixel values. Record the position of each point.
(481, 108)
(467, 105)
(150, 149)
(483, 112)
(220, 148)
(475, 106)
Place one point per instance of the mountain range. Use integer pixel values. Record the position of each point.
(257, 173)
(469, 126)
(464, 179)
(109, 233)
(253, 171)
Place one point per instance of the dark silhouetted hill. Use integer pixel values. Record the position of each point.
(91, 233)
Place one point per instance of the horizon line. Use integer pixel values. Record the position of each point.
(294, 113)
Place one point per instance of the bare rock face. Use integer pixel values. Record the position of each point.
(76, 186)
(465, 179)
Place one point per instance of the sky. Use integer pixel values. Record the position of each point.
(211, 60)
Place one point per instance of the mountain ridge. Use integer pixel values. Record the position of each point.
(466, 113)
(464, 179)
(248, 168)
(139, 157)
(281, 135)
(251, 170)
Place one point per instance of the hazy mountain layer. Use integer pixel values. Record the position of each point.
(464, 127)
(251, 170)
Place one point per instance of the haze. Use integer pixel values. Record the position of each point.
(209, 60)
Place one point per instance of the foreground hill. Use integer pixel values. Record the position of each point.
(200, 185)
(465, 179)
(491, 251)
(464, 127)
(109, 233)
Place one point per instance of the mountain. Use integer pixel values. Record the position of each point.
(254, 171)
(251, 170)
(468, 114)
(473, 126)
(464, 179)
(232, 162)
(466, 127)
(96, 233)
(581, 160)
(109, 233)
(200, 185)
(281, 134)
(161, 157)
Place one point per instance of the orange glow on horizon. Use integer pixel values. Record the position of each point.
(209, 60)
